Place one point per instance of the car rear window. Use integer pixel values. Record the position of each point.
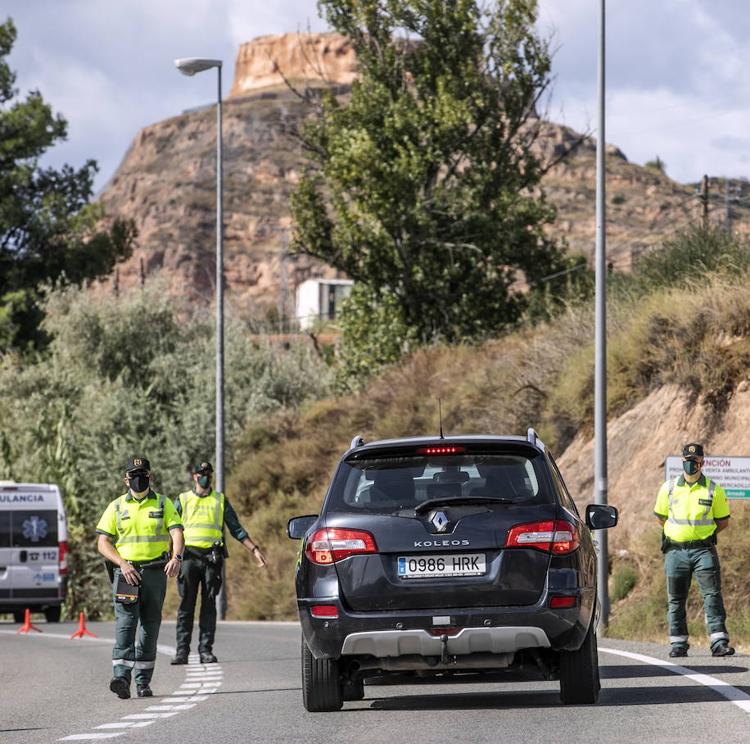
(392, 483)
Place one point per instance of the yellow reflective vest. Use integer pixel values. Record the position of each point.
(203, 518)
(140, 529)
(691, 509)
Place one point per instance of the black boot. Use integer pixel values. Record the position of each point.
(678, 652)
(143, 691)
(121, 687)
(181, 657)
(208, 658)
(722, 649)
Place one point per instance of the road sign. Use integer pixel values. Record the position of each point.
(732, 473)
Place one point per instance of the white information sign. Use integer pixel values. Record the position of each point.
(731, 473)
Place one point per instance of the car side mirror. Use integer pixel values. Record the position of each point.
(601, 516)
(297, 527)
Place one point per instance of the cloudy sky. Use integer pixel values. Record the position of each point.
(678, 83)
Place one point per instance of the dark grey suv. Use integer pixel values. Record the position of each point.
(447, 556)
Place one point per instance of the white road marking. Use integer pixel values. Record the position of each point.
(732, 694)
(207, 680)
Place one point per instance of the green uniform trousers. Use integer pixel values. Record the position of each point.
(141, 619)
(197, 574)
(680, 565)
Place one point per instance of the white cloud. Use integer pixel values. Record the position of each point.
(676, 78)
(677, 81)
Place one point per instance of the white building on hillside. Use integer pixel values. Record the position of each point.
(320, 300)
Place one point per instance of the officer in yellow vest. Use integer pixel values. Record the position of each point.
(692, 510)
(204, 513)
(135, 534)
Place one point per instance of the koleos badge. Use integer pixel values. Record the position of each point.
(34, 528)
(440, 521)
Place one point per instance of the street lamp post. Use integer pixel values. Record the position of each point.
(600, 364)
(191, 66)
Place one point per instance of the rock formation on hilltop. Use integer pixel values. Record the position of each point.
(166, 183)
(268, 60)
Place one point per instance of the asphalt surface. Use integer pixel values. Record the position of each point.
(56, 689)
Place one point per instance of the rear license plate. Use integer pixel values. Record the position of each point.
(438, 566)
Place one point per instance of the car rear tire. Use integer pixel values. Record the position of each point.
(354, 690)
(322, 690)
(579, 672)
(52, 614)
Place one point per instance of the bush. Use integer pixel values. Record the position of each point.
(624, 578)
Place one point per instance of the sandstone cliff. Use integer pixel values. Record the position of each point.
(166, 183)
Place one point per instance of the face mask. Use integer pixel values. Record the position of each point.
(691, 467)
(139, 483)
(204, 481)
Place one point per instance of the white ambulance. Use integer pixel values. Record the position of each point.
(33, 549)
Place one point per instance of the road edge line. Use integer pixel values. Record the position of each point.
(733, 694)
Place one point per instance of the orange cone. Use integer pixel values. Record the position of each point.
(27, 626)
(82, 629)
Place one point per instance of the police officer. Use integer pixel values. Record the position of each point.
(204, 513)
(136, 530)
(692, 510)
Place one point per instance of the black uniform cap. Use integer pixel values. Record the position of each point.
(137, 463)
(692, 449)
(204, 467)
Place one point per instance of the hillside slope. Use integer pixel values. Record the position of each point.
(166, 182)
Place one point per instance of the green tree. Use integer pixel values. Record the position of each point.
(422, 184)
(657, 165)
(48, 228)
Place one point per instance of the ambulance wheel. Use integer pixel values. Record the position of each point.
(52, 614)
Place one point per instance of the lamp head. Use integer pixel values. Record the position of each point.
(192, 65)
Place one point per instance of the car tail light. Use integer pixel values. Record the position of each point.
(333, 544)
(558, 537)
(442, 450)
(62, 557)
(326, 611)
(561, 603)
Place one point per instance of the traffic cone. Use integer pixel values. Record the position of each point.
(27, 626)
(82, 629)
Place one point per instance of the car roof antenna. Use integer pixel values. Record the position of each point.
(440, 415)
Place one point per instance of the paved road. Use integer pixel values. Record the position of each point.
(54, 689)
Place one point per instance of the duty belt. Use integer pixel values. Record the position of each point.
(708, 543)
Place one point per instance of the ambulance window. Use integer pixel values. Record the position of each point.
(34, 529)
(4, 529)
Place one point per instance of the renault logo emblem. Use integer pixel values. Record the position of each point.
(440, 521)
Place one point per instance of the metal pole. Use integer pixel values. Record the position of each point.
(221, 598)
(600, 367)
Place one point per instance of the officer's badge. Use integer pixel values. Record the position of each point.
(691, 448)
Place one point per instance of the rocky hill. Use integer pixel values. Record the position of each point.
(166, 183)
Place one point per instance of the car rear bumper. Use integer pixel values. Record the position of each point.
(494, 630)
(385, 643)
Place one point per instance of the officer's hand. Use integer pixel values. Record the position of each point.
(260, 559)
(172, 568)
(130, 573)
